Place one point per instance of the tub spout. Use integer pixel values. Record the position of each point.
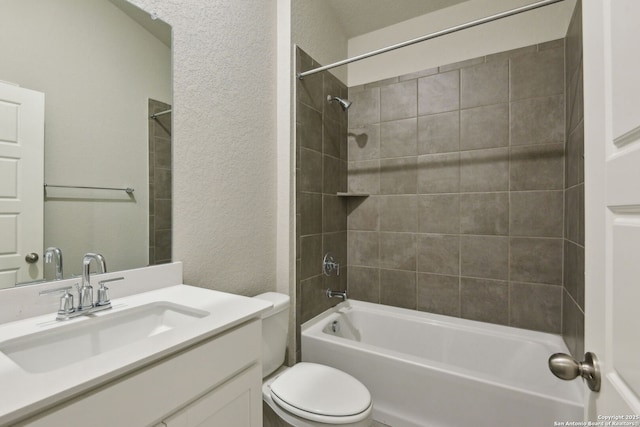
(337, 294)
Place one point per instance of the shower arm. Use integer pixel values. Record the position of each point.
(430, 36)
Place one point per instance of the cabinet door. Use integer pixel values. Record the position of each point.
(236, 403)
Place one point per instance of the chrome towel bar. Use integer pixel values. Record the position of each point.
(128, 190)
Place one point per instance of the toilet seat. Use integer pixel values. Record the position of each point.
(321, 393)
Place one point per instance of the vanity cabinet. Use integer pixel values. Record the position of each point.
(228, 405)
(216, 382)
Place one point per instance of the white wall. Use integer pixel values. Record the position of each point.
(97, 69)
(224, 133)
(316, 30)
(537, 26)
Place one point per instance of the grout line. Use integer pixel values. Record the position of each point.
(510, 118)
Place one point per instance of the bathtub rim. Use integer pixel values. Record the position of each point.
(314, 328)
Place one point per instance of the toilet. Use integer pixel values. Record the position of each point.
(306, 394)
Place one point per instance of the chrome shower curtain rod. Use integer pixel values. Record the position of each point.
(430, 36)
(161, 113)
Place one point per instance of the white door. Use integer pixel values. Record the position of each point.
(21, 183)
(612, 197)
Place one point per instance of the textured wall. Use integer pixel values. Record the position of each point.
(224, 105)
(573, 296)
(464, 164)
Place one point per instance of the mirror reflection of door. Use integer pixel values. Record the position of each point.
(21, 176)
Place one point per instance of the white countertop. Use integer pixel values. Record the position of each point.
(23, 393)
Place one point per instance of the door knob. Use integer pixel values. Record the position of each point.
(566, 367)
(32, 258)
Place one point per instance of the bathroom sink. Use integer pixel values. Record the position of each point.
(79, 340)
(53, 361)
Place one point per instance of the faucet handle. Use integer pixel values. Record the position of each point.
(66, 300)
(103, 291)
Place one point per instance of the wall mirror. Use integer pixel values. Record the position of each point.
(104, 68)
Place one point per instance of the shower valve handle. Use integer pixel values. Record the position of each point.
(329, 264)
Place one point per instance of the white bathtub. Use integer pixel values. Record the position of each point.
(425, 370)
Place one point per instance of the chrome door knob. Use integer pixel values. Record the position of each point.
(32, 258)
(566, 367)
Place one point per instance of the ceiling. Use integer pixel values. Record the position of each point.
(363, 16)
(160, 29)
(356, 16)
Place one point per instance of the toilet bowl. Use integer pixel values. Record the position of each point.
(306, 394)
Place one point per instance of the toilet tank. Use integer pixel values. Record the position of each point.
(275, 328)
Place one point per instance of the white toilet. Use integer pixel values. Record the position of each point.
(307, 394)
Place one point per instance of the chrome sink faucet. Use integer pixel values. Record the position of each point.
(86, 290)
(49, 254)
(85, 305)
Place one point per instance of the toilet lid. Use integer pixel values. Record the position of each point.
(319, 392)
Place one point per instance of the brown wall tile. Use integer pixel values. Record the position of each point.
(399, 138)
(364, 143)
(398, 251)
(398, 288)
(484, 127)
(511, 132)
(538, 73)
(439, 93)
(439, 213)
(534, 306)
(536, 260)
(537, 167)
(484, 257)
(398, 101)
(538, 121)
(484, 84)
(454, 184)
(398, 176)
(439, 294)
(484, 213)
(398, 213)
(536, 213)
(484, 170)
(364, 284)
(439, 253)
(484, 300)
(439, 133)
(438, 173)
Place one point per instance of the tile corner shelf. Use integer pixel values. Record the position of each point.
(340, 194)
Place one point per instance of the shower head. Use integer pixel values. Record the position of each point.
(344, 103)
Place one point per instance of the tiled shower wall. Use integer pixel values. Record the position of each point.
(573, 290)
(464, 165)
(159, 184)
(321, 172)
